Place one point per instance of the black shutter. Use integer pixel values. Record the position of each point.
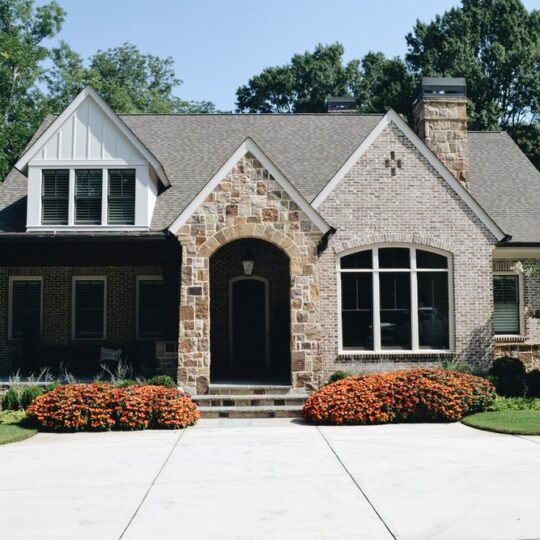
(121, 197)
(88, 196)
(55, 197)
(26, 309)
(151, 308)
(89, 307)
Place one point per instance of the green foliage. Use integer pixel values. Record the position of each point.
(10, 400)
(455, 364)
(28, 394)
(338, 375)
(127, 382)
(533, 383)
(15, 426)
(509, 376)
(161, 380)
(23, 28)
(50, 387)
(514, 404)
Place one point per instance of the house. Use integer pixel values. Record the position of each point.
(269, 248)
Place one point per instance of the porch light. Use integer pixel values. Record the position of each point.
(248, 263)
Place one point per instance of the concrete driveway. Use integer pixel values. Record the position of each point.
(250, 479)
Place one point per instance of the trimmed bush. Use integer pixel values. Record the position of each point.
(28, 395)
(128, 382)
(162, 380)
(416, 395)
(101, 407)
(338, 375)
(10, 400)
(533, 383)
(510, 376)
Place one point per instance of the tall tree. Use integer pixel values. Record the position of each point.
(303, 84)
(23, 28)
(129, 80)
(495, 45)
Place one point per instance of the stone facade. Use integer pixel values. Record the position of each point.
(441, 122)
(57, 312)
(248, 203)
(414, 206)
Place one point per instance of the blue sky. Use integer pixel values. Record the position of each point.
(218, 45)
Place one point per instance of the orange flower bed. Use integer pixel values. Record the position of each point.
(101, 407)
(416, 395)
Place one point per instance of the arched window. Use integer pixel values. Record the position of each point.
(395, 299)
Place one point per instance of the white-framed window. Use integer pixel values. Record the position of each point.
(89, 307)
(150, 313)
(395, 298)
(25, 307)
(88, 197)
(508, 313)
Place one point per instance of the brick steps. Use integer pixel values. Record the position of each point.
(276, 411)
(250, 401)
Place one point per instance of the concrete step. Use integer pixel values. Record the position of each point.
(247, 400)
(281, 411)
(251, 389)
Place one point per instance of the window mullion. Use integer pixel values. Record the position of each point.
(71, 195)
(376, 303)
(414, 303)
(104, 196)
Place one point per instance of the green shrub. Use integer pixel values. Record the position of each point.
(510, 376)
(533, 383)
(127, 382)
(514, 404)
(28, 394)
(10, 400)
(52, 386)
(338, 375)
(161, 380)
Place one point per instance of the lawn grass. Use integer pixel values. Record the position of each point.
(516, 422)
(14, 427)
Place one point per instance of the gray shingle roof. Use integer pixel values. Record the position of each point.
(506, 184)
(308, 149)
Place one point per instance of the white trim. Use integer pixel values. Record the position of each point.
(516, 253)
(138, 280)
(87, 228)
(73, 306)
(249, 145)
(521, 306)
(12, 279)
(266, 322)
(392, 117)
(413, 271)
(89, 92)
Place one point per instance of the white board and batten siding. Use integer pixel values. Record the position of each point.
(89, 139)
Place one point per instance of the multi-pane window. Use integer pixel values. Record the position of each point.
(121, 204)
(394, 299)
(89, 308)
(55, 197)
(88, 196)
(151, 307)
(506, 318)
(25, 316)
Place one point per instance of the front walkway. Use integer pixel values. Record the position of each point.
(272, 479)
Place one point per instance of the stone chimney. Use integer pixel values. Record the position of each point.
(440, 120)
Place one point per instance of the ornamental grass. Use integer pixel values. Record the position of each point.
(103, 407)
(416, 395)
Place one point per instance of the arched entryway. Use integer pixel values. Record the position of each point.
(250, 313)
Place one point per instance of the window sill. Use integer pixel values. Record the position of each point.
(510, 338)
(380, 355)
(86, 228)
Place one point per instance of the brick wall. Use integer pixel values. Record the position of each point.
(414, 206)
(57, 309)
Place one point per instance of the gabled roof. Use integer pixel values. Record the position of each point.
(250, 146)
(89, 93)
(391, 117)
(506, 183)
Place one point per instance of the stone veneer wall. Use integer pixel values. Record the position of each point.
(414, 206)
(526, 349)
(248, 203)
(57, 308)
(442, 124)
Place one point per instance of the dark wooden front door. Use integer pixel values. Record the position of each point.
(249, 328)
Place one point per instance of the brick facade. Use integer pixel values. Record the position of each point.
(57, 314)
(415, 206)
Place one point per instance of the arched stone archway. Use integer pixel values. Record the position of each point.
(249, 203)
